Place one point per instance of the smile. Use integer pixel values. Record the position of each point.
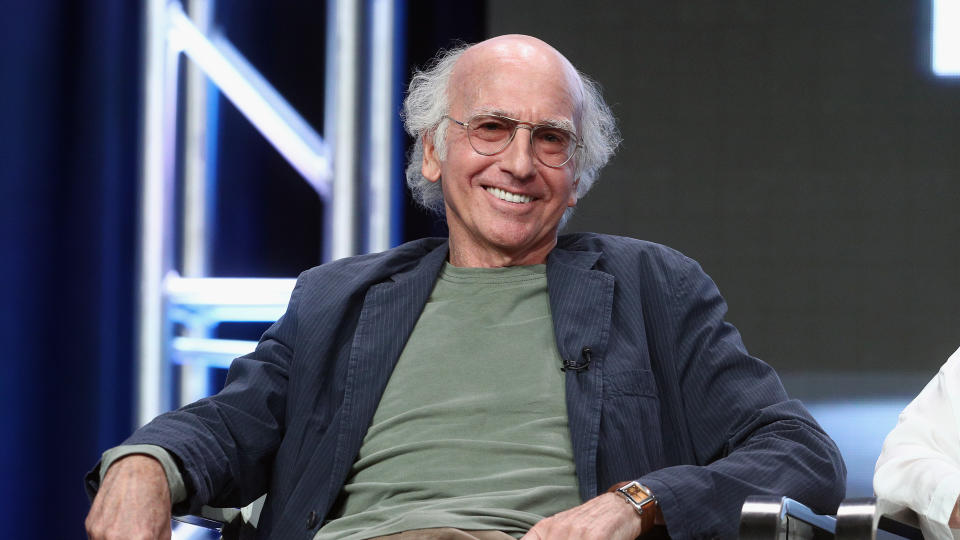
(509, 197)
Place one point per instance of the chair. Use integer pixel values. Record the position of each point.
(223, 523)
(861, 518)
(762, 517)
(765, 517)
(782, 518)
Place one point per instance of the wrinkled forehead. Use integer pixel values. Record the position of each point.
(532, 82)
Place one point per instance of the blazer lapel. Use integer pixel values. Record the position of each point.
(581, 301)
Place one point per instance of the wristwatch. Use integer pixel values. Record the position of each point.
(639, 496)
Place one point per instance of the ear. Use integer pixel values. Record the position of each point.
(431, 163)
(573, 194)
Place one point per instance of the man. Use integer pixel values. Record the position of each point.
(494, 385)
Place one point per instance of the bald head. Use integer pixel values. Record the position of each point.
(518, 48)
(511, 59)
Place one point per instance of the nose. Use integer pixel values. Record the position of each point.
(518, 158)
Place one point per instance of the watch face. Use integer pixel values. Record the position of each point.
(637, 492)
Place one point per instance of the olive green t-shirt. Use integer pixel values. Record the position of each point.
(471, 431)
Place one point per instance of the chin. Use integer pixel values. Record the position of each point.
(514, 238)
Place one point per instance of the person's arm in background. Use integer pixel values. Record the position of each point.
(919, 466)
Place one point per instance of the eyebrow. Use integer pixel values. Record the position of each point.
(561, 123)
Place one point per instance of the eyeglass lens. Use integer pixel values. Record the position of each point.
(490, 134)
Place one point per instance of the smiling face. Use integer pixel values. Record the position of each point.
(505, 209)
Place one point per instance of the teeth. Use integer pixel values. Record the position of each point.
(509, 197)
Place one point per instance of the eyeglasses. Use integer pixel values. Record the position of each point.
(489, 134)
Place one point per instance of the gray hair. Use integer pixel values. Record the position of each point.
(427, 102)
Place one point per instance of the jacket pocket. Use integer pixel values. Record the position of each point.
(630, 429)
(630, 382)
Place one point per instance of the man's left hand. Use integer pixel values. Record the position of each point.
(606, 517)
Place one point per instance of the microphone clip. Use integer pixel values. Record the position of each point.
(572, 365)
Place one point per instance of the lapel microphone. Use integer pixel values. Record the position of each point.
(573, 365)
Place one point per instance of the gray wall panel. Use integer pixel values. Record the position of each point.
(801, 151)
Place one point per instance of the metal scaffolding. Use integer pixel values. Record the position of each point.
(187, 297)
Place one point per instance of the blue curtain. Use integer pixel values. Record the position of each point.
(70, 94)
(69, 102)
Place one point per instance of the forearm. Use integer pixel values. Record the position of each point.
(785, 458)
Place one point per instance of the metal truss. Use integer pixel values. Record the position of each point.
(185, 297)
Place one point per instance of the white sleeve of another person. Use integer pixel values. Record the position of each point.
(919, 466)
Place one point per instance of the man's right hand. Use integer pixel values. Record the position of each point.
(133, 502)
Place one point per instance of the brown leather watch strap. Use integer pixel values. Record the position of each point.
(618, 485)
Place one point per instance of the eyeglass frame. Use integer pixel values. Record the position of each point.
(518, 124)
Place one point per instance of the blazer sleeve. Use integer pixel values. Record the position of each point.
(747, 437)
(225, 444)
(919, 466)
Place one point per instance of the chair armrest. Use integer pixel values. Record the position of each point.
(226, 523)
(199, 521)
(765, 517)
(861, 518)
